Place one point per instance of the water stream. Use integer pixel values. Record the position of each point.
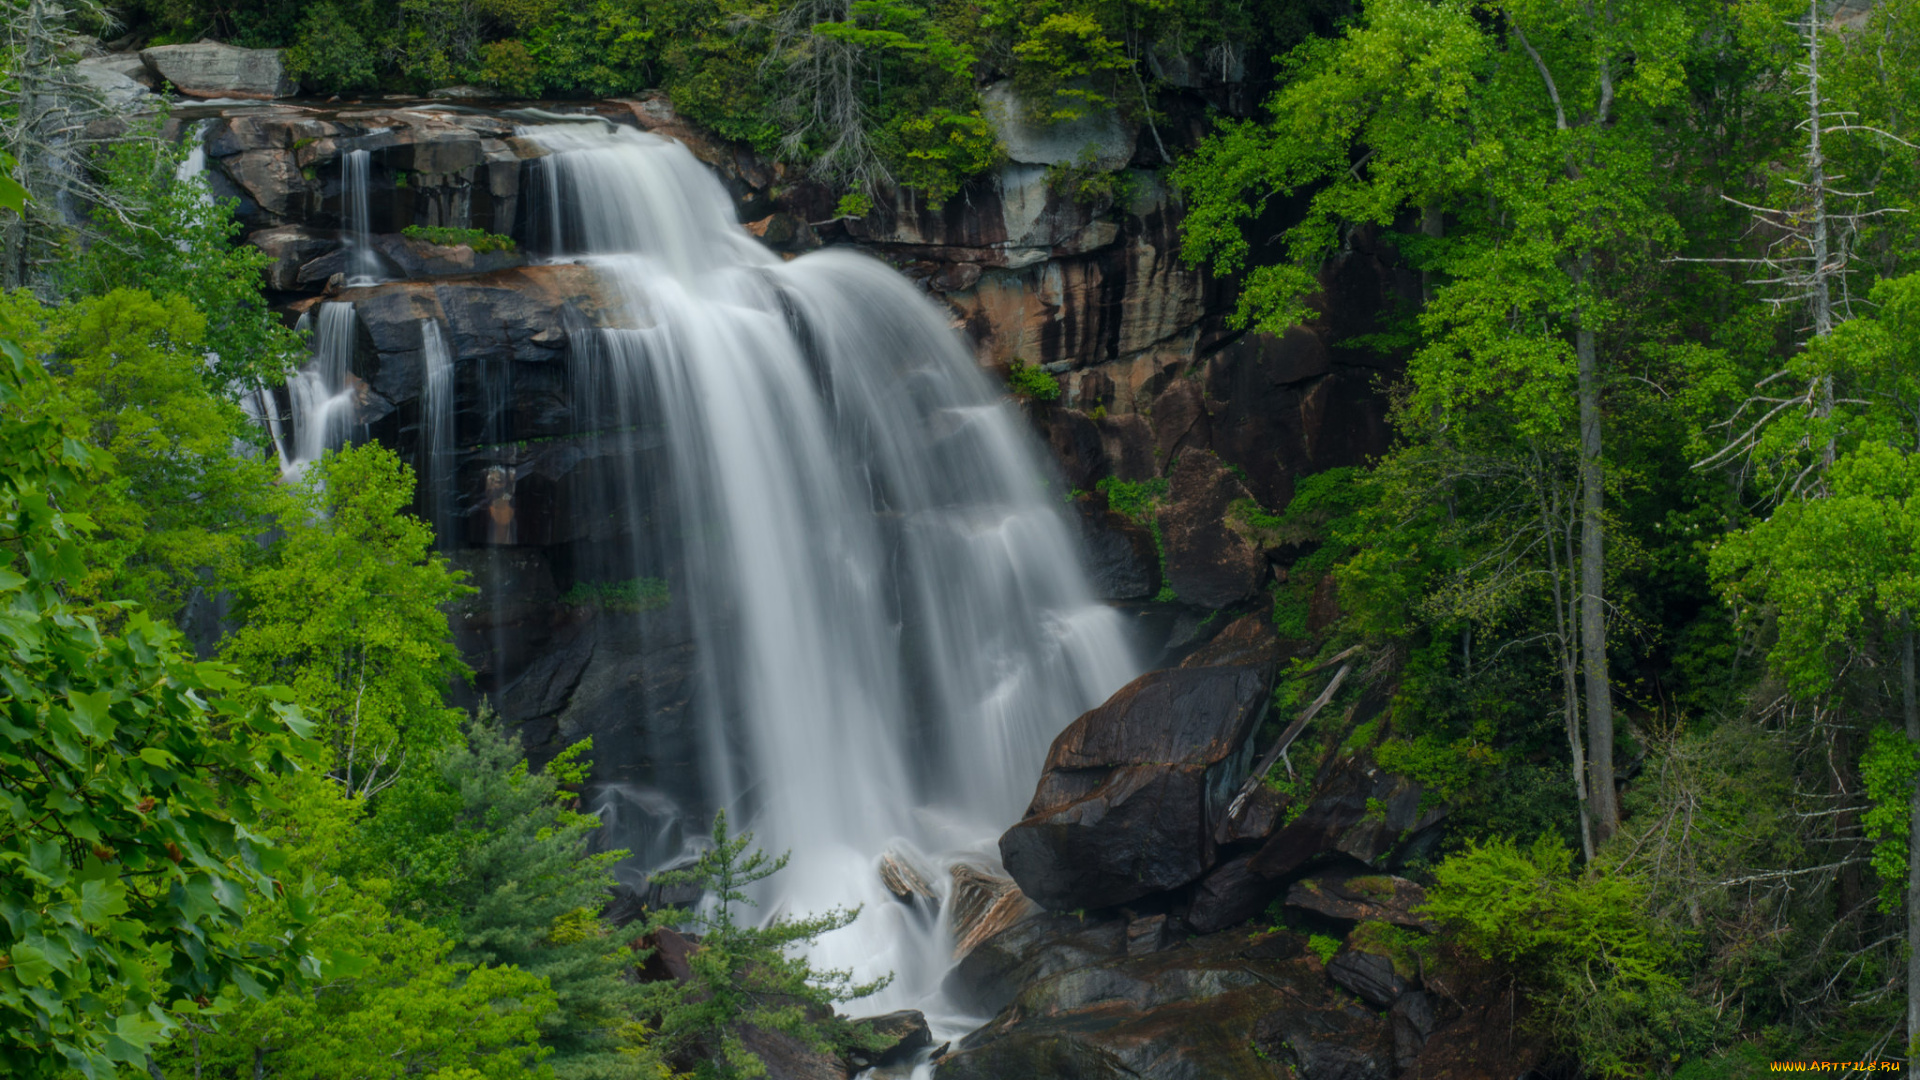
(363, 265)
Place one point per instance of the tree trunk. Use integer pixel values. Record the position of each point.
(1593, 615)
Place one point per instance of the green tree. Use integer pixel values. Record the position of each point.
(1524, 139)
(349, 613)
(179, 507)
(157, 230)
(746, 976)
(1840, 577)
(132, 778)
(491, 853)
(1583, 945)
(387, 998)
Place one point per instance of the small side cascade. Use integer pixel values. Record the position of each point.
(363, 266)
(323, 392)
(436, 401)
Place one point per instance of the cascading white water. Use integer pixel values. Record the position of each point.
(436, 406)
(890, 611)
(363, 266)
(322, 391)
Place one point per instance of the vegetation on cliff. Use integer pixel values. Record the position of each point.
(1641, 554)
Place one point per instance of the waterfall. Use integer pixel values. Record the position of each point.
(322, 392)
(888, 604)
(363, 266)
(436, 407)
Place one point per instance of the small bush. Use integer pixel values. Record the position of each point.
(480, 240)
(1031, 382)
(329, 54)
(1323, 947)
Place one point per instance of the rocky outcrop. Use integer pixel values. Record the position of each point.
(1225, 1006)
(1360, 897)
(1132, 788)
(1359, 810)
(209, 69)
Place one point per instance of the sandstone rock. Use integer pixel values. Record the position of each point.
(212, 70)
(905, 881)
(1126, 805)
(1362, 898)
(1122, 563)
(1147, 934)
(984, 904)
(127, 64)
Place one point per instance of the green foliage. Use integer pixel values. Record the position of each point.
(480, 240)
(329, 54)
(1032, 383)
(1888, 771)
(1828, 568)
(1323, 947)
(131, 777)
(492, 854)
(1599, 968)
(746, 975)
(1139, 501)
(349, 615)
(171, 237)
(630, 597)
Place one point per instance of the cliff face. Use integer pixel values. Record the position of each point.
(1047, 261)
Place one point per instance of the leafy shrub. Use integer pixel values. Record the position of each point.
(1032, 382)
(1594, 960)
(507, 65)
(1323, 947)
(480, 240)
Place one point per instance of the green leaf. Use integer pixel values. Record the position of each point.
(91, 714)
(102, 900)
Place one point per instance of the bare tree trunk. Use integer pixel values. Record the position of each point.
(1567, 658)
(1593, 574)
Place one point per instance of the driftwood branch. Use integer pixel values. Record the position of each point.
(1293, 732)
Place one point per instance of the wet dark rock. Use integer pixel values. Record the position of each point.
(989, 976)
(1229, 895)
(1358, 809)
(1208, 564)
(1121, 561)
(1367, 974)
(1225, 1006)
(1126, 805)
(1148, 934)
(1413, 1019)
(901, 1034)
(1362, 897)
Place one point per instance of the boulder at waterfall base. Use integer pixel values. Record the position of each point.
(1126, 804)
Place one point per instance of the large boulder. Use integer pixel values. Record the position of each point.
(209, 69)
(1362, 897)
(1131, 790)
(1225, 1006)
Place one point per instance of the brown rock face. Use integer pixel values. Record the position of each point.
(1126, 804)
(1362, 898)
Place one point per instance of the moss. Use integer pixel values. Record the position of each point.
(480, 240)
(629, 597)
